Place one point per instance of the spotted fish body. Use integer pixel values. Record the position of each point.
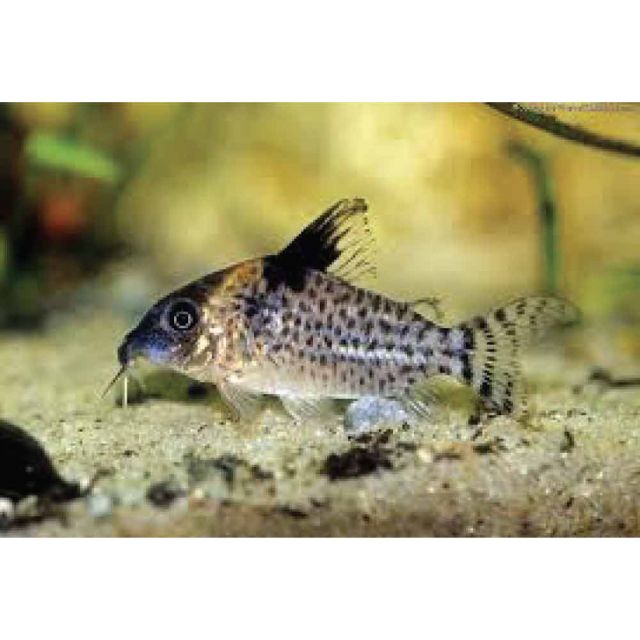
(293, 326)
(333, 339)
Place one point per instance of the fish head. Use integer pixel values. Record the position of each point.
(178, 332)
(193, 329)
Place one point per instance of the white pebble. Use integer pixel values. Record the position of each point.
(100, 505)
(371, 412)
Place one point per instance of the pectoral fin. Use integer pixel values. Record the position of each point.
(246, 404)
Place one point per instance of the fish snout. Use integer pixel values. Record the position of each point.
(123, 353)
(129, 350)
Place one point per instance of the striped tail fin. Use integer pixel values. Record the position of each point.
(493, 343)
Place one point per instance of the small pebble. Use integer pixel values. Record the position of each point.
(100, 505)
(370, 413)
(162, 494)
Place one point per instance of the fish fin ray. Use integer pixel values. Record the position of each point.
(419, 400)
(496, 341)
(303, 408)
(339, 242)
(246, 404)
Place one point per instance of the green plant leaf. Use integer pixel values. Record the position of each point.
(57, 152)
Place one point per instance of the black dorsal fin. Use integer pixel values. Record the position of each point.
(337, 241)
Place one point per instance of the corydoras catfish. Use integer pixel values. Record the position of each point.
(293, 325)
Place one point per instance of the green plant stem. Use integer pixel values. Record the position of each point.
(537, 167)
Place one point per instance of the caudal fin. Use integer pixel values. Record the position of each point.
(493, 343)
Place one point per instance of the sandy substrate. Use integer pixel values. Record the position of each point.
(178, 464)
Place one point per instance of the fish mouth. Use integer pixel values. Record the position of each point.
(134, 346)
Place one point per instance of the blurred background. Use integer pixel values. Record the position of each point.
(103, 207)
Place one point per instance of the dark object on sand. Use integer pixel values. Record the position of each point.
(163, 494)
(608, 380)
(358, 461)
(26, 469)
(368, 456)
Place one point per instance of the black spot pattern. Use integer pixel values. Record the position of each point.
(346, 341)
(327, 337)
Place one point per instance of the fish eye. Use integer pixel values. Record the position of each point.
(183, 315)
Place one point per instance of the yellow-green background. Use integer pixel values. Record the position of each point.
(453, 212)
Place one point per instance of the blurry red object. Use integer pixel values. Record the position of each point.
(63, 216)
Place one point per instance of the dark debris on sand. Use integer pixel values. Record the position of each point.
(371, 454)
(228, 466)
(164, 493)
